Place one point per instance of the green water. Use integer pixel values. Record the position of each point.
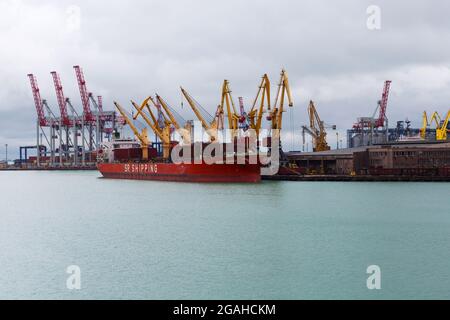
(275, 240)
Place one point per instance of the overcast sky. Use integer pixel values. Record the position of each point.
(131, 49)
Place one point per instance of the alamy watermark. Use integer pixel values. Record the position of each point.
(73, 282)
(73, 18)
(374, 17)
(374, 280)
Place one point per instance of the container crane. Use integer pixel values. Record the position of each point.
(316, 129)
(66, 122)
(142, 136)
(87, 113)
(43, 120)
(256, 112)
(161, 133)
(276, 113)
(89, 118)
(62, 103)
(211, 126)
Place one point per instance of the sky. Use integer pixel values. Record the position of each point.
(337, 53)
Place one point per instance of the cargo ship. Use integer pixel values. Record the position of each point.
(243, 173)
(121, 159)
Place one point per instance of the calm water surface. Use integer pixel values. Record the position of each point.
(275, 240)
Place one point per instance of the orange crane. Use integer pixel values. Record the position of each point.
(142, 136)
(185, 132)
(316, 129)
(233, 117)
(211, 127)
(255, 114)
(276, 113)
(162, 133)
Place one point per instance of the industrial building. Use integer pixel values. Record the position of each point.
(411, 159)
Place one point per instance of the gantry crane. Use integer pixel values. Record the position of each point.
(316, 129)
(212, 126)
(233, 116)
(142, 136)
(435, 118)
(255, 114)
(161, 133)
(276, 111)
(441, 131)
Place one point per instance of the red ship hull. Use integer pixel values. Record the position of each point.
(248, 173)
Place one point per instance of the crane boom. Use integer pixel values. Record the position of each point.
(427, 122)
(276, 115)
(184, 133)
(194, 108)
(38, 101)
(89, 117)
(62, 103)
(210, 128)
(144, 116)
(166, 108)
(141, 110)
(316, 129)
(383, 105)
(143, 137)
(227, 99)
(441, 131)
(263, 95)
(163, 134)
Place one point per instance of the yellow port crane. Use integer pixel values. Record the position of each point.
(427, 122)
(316, 129)
(276, 114)
(162, 133)
(255, 114)
(142, 137)
(233, 116)
(185, 132)
(211, 127)
(441, 131)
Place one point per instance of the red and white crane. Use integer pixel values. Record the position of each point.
(43, 121)
(372, 122)
(380, 122)
(62, 102)
(88, 115)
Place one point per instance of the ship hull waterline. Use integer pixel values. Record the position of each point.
(214, 173)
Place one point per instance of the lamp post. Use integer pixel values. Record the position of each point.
(6, 160)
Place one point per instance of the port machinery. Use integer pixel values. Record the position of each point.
(372, 130)
(71, 139)
(239, 121)
(439, 133)
(316, 129)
